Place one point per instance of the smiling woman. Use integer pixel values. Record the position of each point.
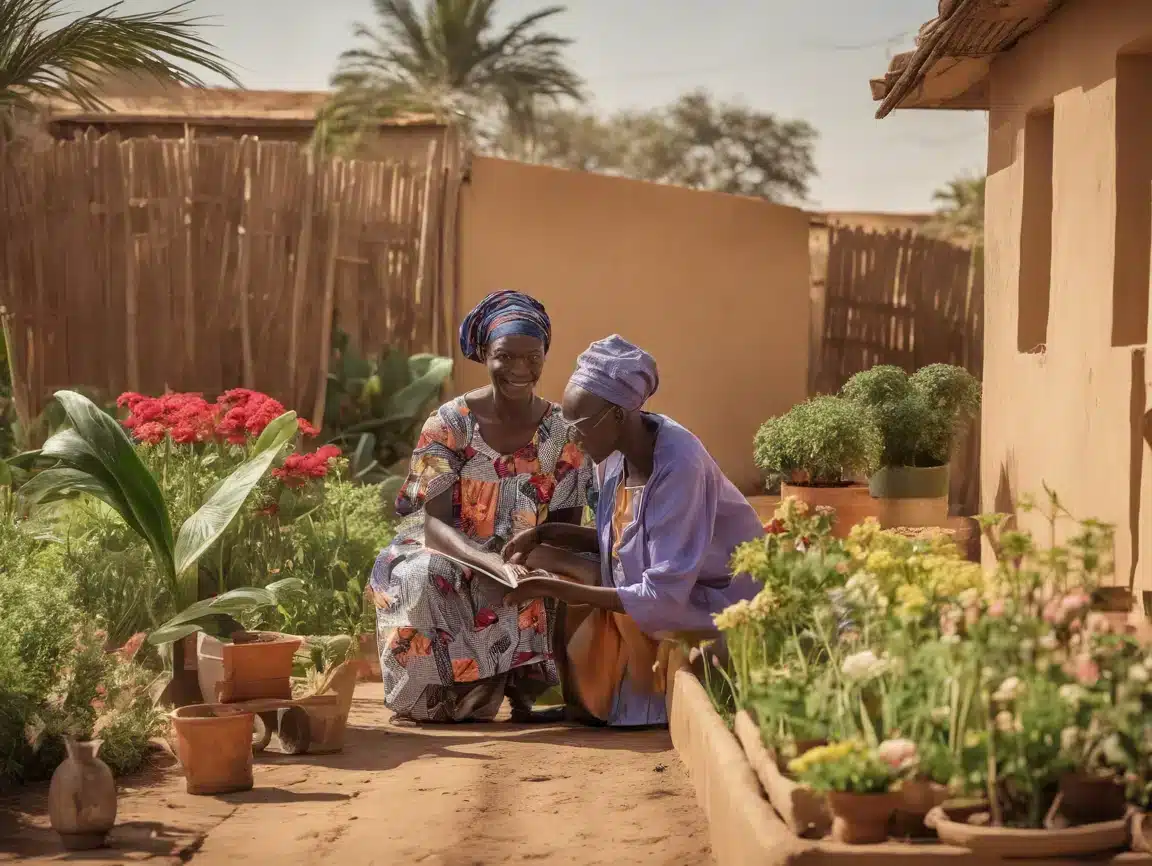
(487, 465)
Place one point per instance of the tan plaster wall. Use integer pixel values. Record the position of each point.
(1069, 413)
(714, 286)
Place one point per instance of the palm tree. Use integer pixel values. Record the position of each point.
(960, 211)
(449, 61)
(47, 53)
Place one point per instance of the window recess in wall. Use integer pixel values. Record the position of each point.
(1035, 288)
(1133, 264)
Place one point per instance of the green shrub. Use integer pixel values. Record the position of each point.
(824, 441)
(919, 416)
(56, 680)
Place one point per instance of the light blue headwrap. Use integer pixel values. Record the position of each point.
(617, 371)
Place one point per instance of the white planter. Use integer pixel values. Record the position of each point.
(209, 666)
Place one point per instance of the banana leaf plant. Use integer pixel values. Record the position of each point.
(232, 604)
(95, 457)
(375, 407)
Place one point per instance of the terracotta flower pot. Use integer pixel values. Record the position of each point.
(1088, 799)
(82, 797)
(861, 819)
(215, 751)
(918, 797)
(852, 503)
(257, 665)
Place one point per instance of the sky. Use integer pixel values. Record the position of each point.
(808, 59)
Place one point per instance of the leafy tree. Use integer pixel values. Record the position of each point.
(960, 211)
(43, 56)
(451, 61)
(696, 142)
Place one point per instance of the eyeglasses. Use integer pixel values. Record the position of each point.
(574, 431)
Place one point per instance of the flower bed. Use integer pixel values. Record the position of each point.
(746, 829)
(882, 677)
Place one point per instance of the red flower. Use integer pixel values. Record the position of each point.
(131, 647)
(774, 527)
(270, 510)
(151, 433)
(298, 468)
(306, 429)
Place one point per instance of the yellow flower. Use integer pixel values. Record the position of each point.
(763, 605)
(912, 600)
(735, 616)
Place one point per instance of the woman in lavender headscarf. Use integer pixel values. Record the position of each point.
(667, 522)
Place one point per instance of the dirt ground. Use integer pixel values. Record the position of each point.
(472, 795)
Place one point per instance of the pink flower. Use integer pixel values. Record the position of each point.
(996, 608)
(131, 647)
(897, 754)
(1086, 671)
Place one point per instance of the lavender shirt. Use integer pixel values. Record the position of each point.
(672, 572)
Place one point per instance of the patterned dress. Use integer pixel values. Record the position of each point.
(448, 645)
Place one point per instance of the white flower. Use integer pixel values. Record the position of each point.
(1138, 673)
(1072, 693)
(897, 754)
(1007, 690)
(863, 666)
(1049, 642)
(1069, 737)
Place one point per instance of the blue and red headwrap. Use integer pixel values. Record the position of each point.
(503, 314)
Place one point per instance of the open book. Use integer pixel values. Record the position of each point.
(500, 576)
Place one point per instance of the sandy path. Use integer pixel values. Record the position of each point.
(450, 796)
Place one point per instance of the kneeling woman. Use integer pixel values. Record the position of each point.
(667, 522)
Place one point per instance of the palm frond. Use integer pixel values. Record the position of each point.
(39, 57)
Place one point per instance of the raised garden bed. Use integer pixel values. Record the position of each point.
(746, 829)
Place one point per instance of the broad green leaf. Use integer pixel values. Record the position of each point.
(278, 432)
(213, 517)
(393, 370)
(53, 485)
(362, 457)
(235, 602)
(98, 445)
(407, 403)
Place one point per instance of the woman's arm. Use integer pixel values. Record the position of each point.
(602, 597)
(440, 535)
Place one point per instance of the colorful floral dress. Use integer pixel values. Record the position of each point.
(448, 645)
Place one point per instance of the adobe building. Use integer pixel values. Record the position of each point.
(1067, 85)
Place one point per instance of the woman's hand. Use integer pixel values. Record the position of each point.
(515, 571)
(537, 585)
(520, 545)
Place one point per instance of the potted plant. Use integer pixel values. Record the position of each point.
(858, 782)
(919, 417)
(818, 450)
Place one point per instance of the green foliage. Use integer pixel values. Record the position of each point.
(55, 678)
(450, 61)
(696, 141)
(96, 458)
(919, 416)
(823, 441)
(959, 215)
(375, 406)
(47, 52)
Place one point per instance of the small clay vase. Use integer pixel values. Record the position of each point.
(82, 797)
(1089, 799)
(917, 798)
(861, 819)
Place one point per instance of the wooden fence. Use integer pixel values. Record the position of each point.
(203, 264)
(904, 299)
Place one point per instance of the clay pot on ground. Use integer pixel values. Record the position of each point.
(82, 797)
(1089, 799)
(911, 495)
(851, 502)
(861, 819)
(256, 665)
(918, 797)
(215, 752)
